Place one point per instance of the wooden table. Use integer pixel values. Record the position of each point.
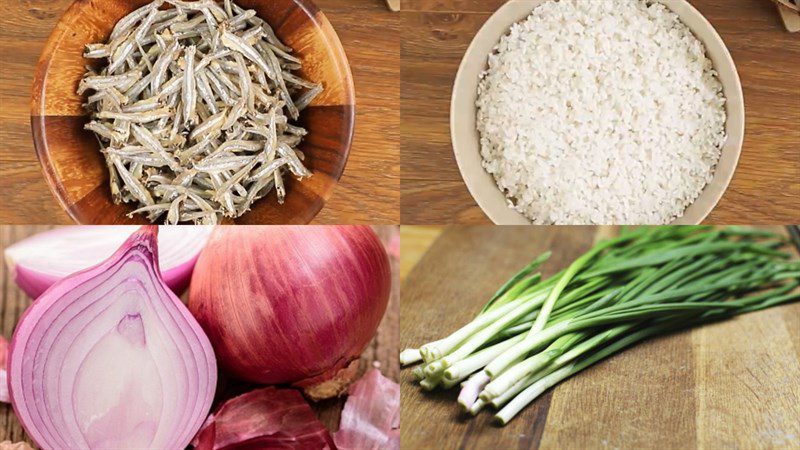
(382, 351)
(416, 240)
(734, 384)
(369, 189)
(765, 189)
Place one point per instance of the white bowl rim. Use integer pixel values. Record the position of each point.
(720, 181)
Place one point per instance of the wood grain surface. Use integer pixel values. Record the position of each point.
(382, 351)
(734, 384)
(369, 189)
(765, 189)
(416, 240)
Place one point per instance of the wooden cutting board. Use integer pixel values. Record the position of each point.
(382, 351)
(734, 384)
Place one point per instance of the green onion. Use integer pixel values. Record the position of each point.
(534, 333)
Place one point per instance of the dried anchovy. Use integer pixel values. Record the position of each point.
(189, 93)
(193, 110)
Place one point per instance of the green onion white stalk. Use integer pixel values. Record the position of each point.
(535, 332)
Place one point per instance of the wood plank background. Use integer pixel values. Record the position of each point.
(765, 189)
(416, 242)
(734, 384)
(369, 191)
(382, 351)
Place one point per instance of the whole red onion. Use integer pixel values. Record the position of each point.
(291, 304)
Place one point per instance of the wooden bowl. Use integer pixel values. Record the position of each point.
(71, 158)
(463, 113)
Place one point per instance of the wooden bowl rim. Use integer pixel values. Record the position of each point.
(314, 14)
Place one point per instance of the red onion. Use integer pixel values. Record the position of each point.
(39, 261)
(371, 416)
(291, 304)
(267, 418)
(110, 358)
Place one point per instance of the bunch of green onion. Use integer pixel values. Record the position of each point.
(536, 332)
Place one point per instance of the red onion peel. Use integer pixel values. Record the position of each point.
(371, 416)
(110, 358)
(291, 304)
(267, 418)
(40, 260)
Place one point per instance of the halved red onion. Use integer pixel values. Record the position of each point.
(371, 417)
(39, 261)
(110, 358)
(291, 304)
(267, 418)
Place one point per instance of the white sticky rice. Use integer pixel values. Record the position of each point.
(601, 112)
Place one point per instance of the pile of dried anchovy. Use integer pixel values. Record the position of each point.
(199, 147)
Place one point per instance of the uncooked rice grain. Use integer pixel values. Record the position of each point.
(601, 112)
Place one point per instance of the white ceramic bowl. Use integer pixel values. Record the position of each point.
(463, 112)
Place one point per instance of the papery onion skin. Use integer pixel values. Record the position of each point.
(291, 304)
(66, 389)
(36, 262)
(266, 418)
(371, 416)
